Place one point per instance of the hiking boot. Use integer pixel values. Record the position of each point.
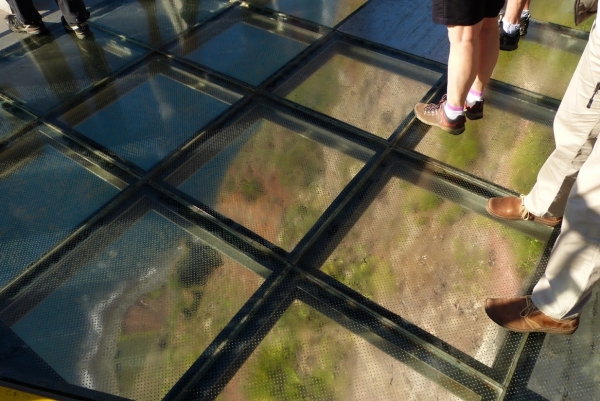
(508, 42)
(15, 25)
(434, 114)
(512, 208)
(521, 315)
(474, 112)
(523, 25)
(81, 30)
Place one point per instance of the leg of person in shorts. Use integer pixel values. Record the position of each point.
(474, 47)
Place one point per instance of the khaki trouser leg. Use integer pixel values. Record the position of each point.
(575, 131)
(574, 266)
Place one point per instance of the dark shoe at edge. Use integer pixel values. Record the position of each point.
(15, 25)
(474, 112)
(512, 208)
(508, 42)
(522, 316)
(435, 115)
(523, 25)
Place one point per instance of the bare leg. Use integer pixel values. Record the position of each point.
(513, 11)
(463, 62)
(488, 53)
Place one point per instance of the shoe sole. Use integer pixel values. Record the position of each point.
(541, 220)
(509, 47)
(69, 29)
(453, 131)
(474, 116)
(548, 331)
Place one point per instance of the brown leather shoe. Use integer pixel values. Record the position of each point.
(522, 316)
(434, 114)
(512, 208)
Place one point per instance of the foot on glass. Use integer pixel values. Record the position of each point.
(512, 208)
(522, 316)
(508, 41)
(15, 25)
(474, 112)
(435, 115)
(81, 30)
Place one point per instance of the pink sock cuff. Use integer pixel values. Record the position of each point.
(476, 93)
(454, 108)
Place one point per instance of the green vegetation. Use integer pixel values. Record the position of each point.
(292, 362)
(527, 251)
(528, 158)
(461, 151)
(371, 276)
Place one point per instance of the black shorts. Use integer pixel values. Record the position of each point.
(464, 12)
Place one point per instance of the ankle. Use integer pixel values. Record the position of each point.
(453, 111)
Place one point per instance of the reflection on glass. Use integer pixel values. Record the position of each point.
(261, 51)
(360, 87)
(152, 120)
(434, 263)
(274, 181)
(53, 73)
(544, 62)
(156, 21)
(308, 356)
(132, 320)
(324, 12)
(500, 147)
(38, 210)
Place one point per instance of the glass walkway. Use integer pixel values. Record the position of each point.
(215, 199)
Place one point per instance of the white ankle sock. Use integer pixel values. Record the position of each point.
(452, 114)
(510, 28)
(525, 14)
(473, 98)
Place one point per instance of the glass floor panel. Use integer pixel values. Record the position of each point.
(498, 147)
(557, 12)
(155, 22)
(130, 119)
(12, 118)
(542, 53)
(234, 200)
(393, 255)
(134, 306)
(273, 174)
(63, 66)
(365, 89)
(401, 24)
(297, 360)
(38, 210)
(268, 44)
(324, 12)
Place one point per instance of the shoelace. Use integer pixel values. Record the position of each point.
(525, 215)
(434, 107)
(529, 309)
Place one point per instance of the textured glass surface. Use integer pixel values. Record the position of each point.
(39, 210)
(309, 356)
(324, 12)
(401, 24)
(273, 180)
(266, 46)
(156, 21)
(559, 12)
(11, 118)
(543, 63)
(434, 263)
(567, 366)
(46, 76)
(508, 146)
(360, 87)
(131, 320)
(145, 123)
